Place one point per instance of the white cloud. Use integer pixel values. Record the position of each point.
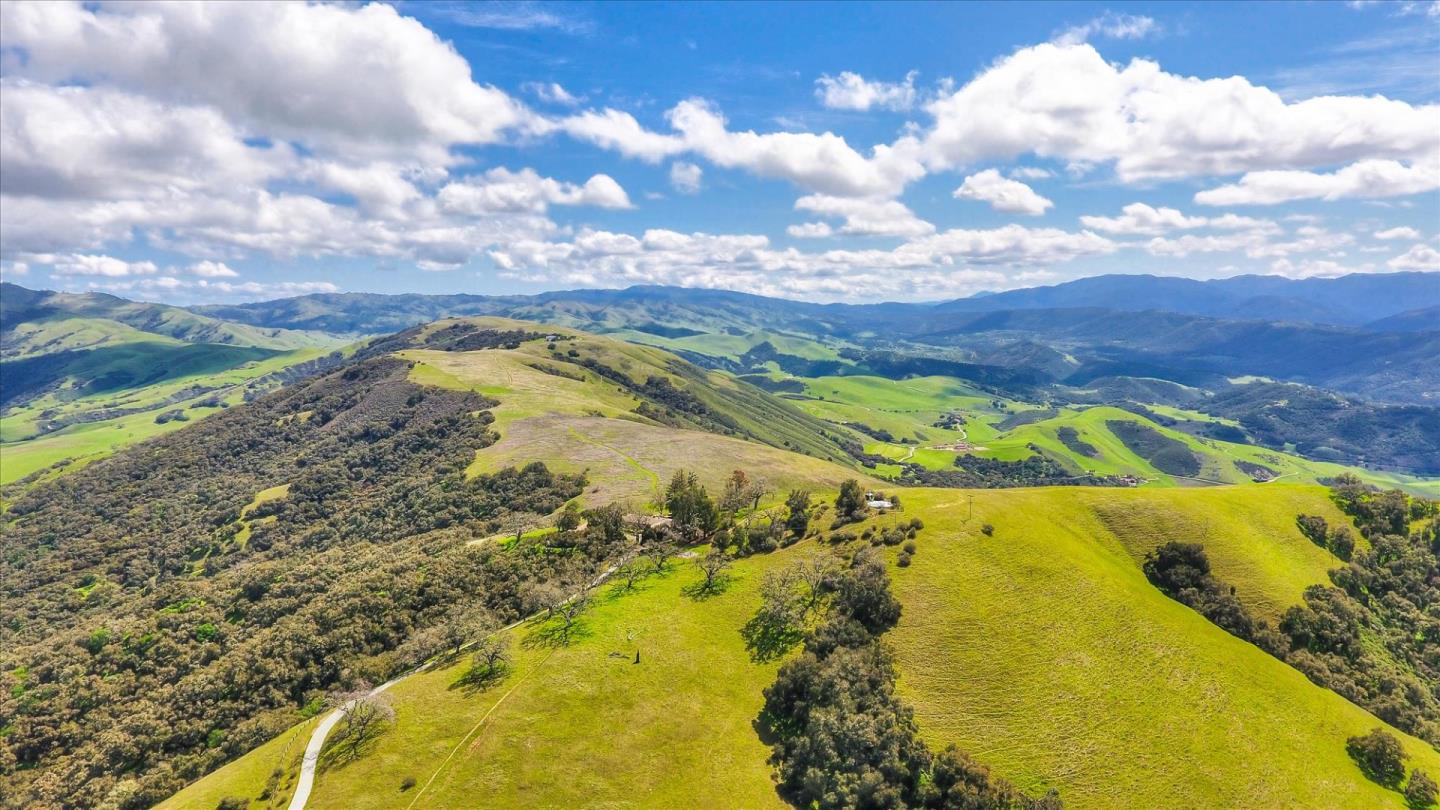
(1111, 25)
(1030, 173)
(1067, 103)
(867, 216)
(1255, 242)
(1315, 268)
(1010, 196)
(352, 80)
(1418, 257)
(685, 177)
(950, 263)
(851, 91)
(553, 93)
(810, 230)
(209, 269)
(90, 142)
(824, 163)
(1400, 232)
(1364, 179)
(1139, 219)
(83, 264)
(503, 191)
(613, 129)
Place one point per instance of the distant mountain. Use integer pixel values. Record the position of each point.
(40, 322)
(1350, 300)
(1415, 320)
(1177, 329)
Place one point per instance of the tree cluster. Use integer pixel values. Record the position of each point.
(842, 737)
(145, 639)
(1372, 635)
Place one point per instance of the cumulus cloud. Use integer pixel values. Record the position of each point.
(685, 177)
(1139, 219)
(89, 142)
(84, 264)
(1255, 242)
(851, 91)
(209, 269)
(501, 190)
(810, 230)
(1066, 102)
(867, 216)
(948, 263)
(1400, 232)
(1418, 257)
(1010, 196)
(345, 79)
(1315, 268)
(1364, 179)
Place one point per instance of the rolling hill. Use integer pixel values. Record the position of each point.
(83, 374)
(411, 490)
(1042, 650)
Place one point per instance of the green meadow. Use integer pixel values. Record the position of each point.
(1041, 650)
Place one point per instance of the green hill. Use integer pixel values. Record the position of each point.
(85, 374)
(384, 501)
(1042, 650)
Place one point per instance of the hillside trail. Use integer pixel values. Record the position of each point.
(308, 764)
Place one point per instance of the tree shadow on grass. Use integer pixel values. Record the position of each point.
(554, 634)
(620, 590)
(769, 640)
(702, 590)
(341, 750)
(475, 680)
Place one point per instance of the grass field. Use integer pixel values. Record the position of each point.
(1044, 652)
(23, 452)
(1041, 650)
(589, 424)
(909, 409)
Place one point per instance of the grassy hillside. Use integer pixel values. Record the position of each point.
(76, 425)
(42, 322)
(85, 374)
(995, 426)
(553, 407)
(1041, 650)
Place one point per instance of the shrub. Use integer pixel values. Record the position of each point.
(407, 783)
(917, 524)
(1379, 756)
(987, 530)
(233, 803)
(909, 548)
(903, 560)
(1421, 791)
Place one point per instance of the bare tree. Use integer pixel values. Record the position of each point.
(491, 658)
(712, 568)
(538, 596)
(570, 610)
(658, 554)
(363, 714)
(631, 571)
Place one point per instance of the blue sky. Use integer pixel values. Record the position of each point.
(826, 151)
